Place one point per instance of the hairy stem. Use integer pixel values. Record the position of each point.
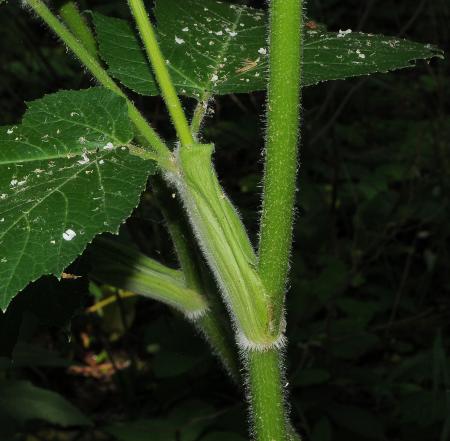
(199, 114)
(122, 266)
(180, 233)
(225, 245)
(155, 142)
(281, 147)
(161, 71)
(266, 395)
(264, 368)
(78, 25)
(214, 332)
(211, 324)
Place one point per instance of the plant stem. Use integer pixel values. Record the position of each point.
(126, 268)
(78, 25)
(161, 71)
(266, 395)
(217, 336)
(210, 324)
(281, 147)
(225, 245)
(103, 303)
(264, 367)
(180, 233)
(156, 143)
(199, 114)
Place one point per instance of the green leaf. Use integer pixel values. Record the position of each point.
(207, 45)
(223, 436)
(357, 420)
(141, 429)
(322, 430)
(28, 355)
(40, 305)
(170, 364)
(220, 48)
(309, 377)
(182, 424)
(65, 177)
(22, 402)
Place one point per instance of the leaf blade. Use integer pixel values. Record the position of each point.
(218, 48)
(63, 181)
(23, 402)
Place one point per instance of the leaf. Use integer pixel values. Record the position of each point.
(22, 402)
(210, 48)
(141, 429)
(39, 305)
(28, 355)
(182, 424)
(64, 179)
(310, 377)
(357, 420)
(423, 408)
(223, 436)
(220, 48)
(322, 430)
(170, 364)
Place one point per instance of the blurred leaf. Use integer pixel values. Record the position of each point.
(23, 402)
(333, 279)
(310, 377)
(222, 436)
(354, 346)
(220, 48)
(44, 303)
(362, 310)
(64, 180)
(423, 408)
(192, 418)
(185, 423)
(170, 364)
(142, 430)
(322, 431)
(357, 420)
(27, 355)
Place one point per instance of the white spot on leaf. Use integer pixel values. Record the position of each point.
(85, 159)
(342, 34)
(69, 234)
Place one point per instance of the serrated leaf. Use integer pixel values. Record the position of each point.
(40, 304)
(215, 48)
(22, 402)
(210, 48)
(65, 177)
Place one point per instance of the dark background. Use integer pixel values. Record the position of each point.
(368, 304)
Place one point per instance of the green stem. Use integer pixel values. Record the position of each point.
(210, 324)
(180, 233)
(121, 266)
(266, 395)
(78, 25)
(161, 71)
(281, 147)
(218, 337)
(225, 245)
(102, 77)
(264, 368)
(199, 115)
